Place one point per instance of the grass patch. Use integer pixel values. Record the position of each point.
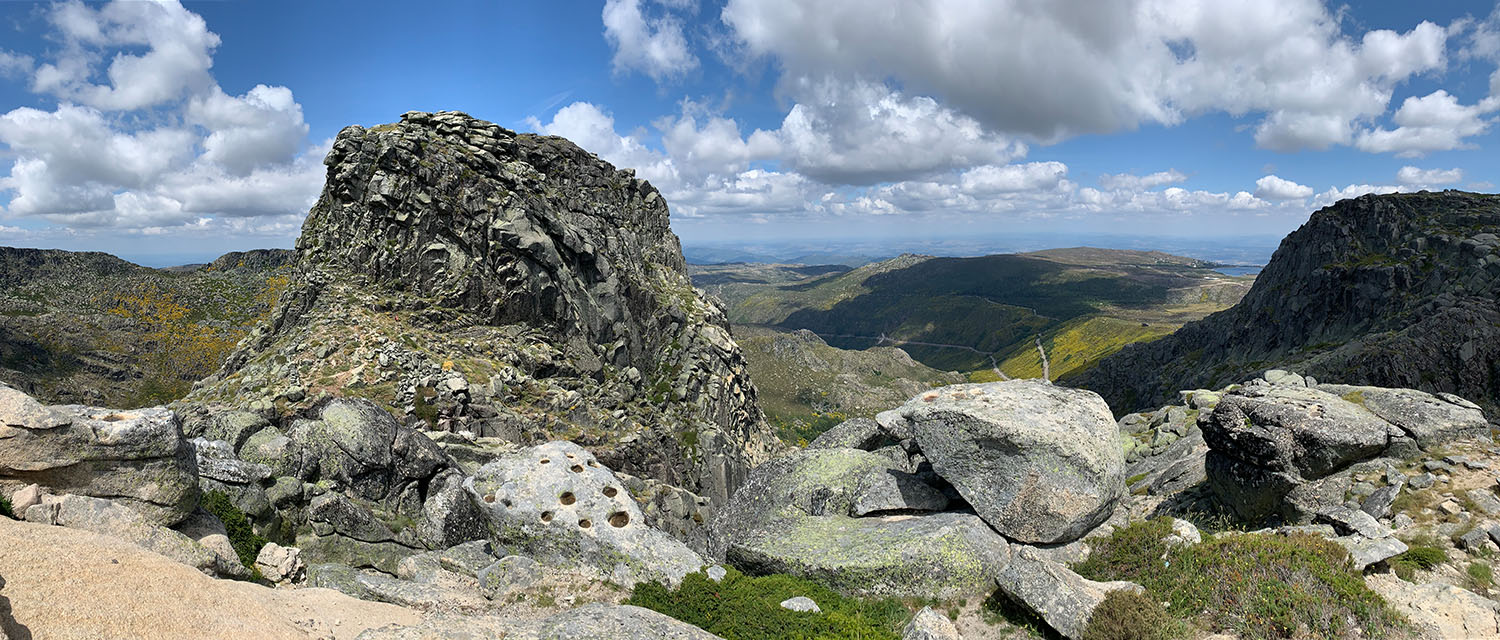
(1424, 558)
(1127, 615)
(242, 536)
(1255, 585)
(741, 607)
(1481, 577)
(1135, 478)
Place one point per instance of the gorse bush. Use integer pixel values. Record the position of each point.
(1127, 615)
(1256, 585)
(744, 608)
(242, 536)
(177, 349)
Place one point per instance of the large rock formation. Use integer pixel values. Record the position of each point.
(1398, 290)
(136, 457)
(470, 278)
(1040, 463)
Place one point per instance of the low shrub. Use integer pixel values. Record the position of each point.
(5, 509)
(1481, 577)
(242, 536)
(741, 607)
(1417, 557)
(1256, 585)
(1127, 615)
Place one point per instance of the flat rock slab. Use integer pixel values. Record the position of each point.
(1439, 611)
(589, 622)
(942, 555)
(1430, 420)
(1040, 463)
(1065, 600)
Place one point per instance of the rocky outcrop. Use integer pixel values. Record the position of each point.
(800, 514)
(1053, 592)
(583, 623)
(556, 504)
(1040, 463)
(138, 458)
(510, 285)
(1396, 291)
(1439, 611)
(1283, 449)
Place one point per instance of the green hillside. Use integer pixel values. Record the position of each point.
(970, 314)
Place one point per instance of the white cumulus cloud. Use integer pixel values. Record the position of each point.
(654, 46)
(1274, 187)
(1412, 176)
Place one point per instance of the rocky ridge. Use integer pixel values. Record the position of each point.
(472, 279)
(1391, 290)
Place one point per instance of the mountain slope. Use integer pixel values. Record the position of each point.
(1396, 291)
(92, 328)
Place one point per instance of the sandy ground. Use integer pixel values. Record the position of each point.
(64, 583)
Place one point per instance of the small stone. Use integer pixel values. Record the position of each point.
(716, 573)
(1436, 465)
(1451, 508)
(280, 564)
(801, 603)
(1474, 539)
(930, 625)
(1422, 481)
(24, 497)
(1401, 521)
(1485, 501)
(508, 574)
(1183, 534)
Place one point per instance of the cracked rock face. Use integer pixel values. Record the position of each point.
(512, 286)
(136, 457)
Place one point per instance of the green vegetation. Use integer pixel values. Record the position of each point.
(1127, 615)
(1079, 344)
(1255, 585)
(998, 610)
(744, 608)
(800, 431)
(241, 535)
(5, 509)
(1481, 577)
(1406, 564)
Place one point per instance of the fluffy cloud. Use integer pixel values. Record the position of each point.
(654, 46)
(15, 65)
(207, 157)
(1335, 194)
(1435, 122)
(1277, 188)
(179, 51)
(1032, 176)
(1138, 183)
(1053, 70)
(1413, 176)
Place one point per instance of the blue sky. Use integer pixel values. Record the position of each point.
(166, 131)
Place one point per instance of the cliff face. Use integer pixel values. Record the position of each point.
(509, 285)
(1395, 290)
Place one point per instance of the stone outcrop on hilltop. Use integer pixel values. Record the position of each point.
(507, 285)
(1399, 291)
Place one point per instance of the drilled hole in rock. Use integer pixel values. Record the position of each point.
(619, 519)
(545, 461)
(610, 492)
(489, 497)
(567, 498)
(593, 463)
(569, 455)
(577, 468)
(113, 417)
(584, 523)
(546, 516)
(506, 502)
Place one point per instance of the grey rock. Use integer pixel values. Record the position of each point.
(1349, 521)
(468, 558)
(117, 521)
(930, 625)
(233, 427)
(1038, 462)
(1485, 501)
(856, 433)
(217, 461)
(1428, 419)
(508, 575)
(716, 573)
(892, 490)
(1422, 481)
(555, 503)
(137, 458)
(588, 622)
(802, 604)
(793, 516)
(1401, 521)
(22, 499)
(1281, 378)
(1364, 552)
(1050, 590)
(1378, 504)
(280, 564)
(1474, 539)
